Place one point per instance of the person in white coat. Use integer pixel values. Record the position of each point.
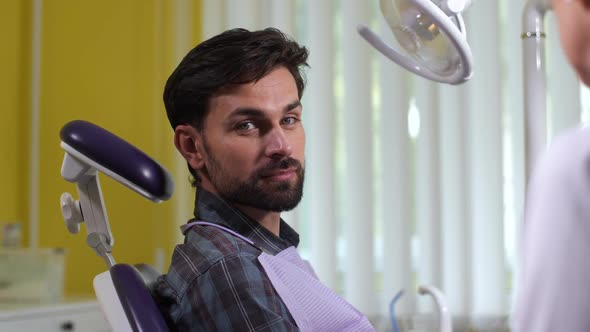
(553, 282)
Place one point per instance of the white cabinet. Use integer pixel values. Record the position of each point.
(74, 316)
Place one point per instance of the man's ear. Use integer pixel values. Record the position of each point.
(189, 143)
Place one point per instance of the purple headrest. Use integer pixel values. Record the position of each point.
(119, 157)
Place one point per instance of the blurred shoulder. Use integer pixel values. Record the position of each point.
(567, 155)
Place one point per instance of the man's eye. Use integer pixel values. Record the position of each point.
(289, 121)
(245, 126)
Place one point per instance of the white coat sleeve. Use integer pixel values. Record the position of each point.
(553, 278)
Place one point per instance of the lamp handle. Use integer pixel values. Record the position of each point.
(455, 7)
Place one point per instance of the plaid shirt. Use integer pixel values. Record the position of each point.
(215, 282)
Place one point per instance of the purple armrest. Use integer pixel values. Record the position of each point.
(140, 308)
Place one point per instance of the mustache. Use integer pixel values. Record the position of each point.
(279, 165)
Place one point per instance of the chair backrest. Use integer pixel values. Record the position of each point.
(122, 291)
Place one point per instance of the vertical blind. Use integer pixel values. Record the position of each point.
(411, 182)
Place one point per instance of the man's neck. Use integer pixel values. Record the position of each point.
(267, 219)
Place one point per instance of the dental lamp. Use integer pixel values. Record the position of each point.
(432, 36)
(90, 149)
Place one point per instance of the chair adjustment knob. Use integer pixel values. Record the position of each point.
(72, 213)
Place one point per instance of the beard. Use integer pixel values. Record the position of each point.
(256, 191)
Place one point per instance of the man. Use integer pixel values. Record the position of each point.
(553, 277)
(234, 104)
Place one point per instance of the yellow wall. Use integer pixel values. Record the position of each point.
(105, 62)
(11, 79)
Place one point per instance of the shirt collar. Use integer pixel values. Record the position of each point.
(213, 208)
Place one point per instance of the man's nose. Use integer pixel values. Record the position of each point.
(277, 144)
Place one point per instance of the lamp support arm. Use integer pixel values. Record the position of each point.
(535, 81)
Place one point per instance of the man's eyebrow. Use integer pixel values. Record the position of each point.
(247, 111)
(293, 106)
(255, 112)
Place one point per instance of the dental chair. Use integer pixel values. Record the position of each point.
(123, 290)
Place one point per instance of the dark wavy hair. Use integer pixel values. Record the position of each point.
(236, 56)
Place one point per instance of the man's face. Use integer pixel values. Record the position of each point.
(253, 144)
